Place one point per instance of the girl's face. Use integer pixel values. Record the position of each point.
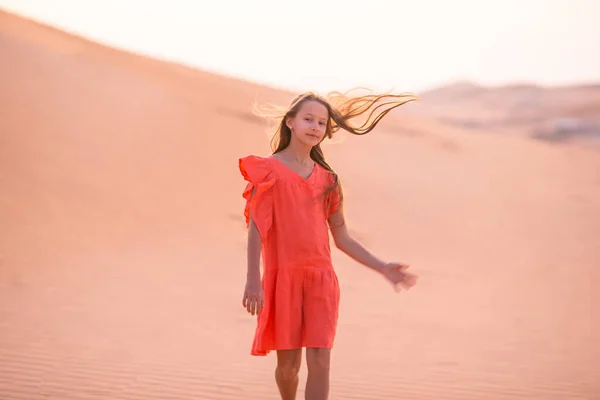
(309, 124)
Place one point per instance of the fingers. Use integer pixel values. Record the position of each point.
(257, 305)
(401, 280)
(253, 308)
(253, 303)
(249, 304)
(409, 280)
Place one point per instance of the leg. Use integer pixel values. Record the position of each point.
(286, 373)
(317, 384)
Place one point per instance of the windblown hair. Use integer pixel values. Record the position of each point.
(343, 110)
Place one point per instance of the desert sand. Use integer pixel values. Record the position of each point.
(122, 242)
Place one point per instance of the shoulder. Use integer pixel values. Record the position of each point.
(328, 177)
(255, 159)
(255, 168)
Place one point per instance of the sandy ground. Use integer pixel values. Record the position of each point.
(122, 247)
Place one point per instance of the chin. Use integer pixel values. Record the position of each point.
(313, 141)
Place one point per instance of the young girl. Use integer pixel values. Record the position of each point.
(292, 198)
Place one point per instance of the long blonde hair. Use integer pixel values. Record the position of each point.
(342, 109)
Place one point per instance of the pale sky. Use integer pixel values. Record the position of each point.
(335, 45)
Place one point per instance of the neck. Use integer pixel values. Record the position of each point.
(298, 152)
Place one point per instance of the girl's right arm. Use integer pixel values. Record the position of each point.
(253, 253)
(253, 294)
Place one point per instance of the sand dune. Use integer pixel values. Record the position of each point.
(569, 114)
(122, 249)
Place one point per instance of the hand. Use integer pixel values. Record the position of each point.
(395, 273)
(253, 300)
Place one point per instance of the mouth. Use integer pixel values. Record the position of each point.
(313, 136)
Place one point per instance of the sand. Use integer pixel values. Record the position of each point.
(122, 248)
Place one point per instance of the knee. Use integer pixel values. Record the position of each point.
(288, 371)
(318, 361)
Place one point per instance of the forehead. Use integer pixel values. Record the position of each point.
(315, 108)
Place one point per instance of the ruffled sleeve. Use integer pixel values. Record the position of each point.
(257, 172)
(334, 199)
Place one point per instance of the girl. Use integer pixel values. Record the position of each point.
(292, 197)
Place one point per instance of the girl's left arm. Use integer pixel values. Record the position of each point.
(350, 246)
(394, 272)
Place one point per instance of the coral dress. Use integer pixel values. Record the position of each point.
(301, 291)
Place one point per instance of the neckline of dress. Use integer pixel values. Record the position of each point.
(312, 173)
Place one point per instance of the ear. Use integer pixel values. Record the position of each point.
(288, 122)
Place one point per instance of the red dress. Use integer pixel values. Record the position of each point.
(301, 291)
